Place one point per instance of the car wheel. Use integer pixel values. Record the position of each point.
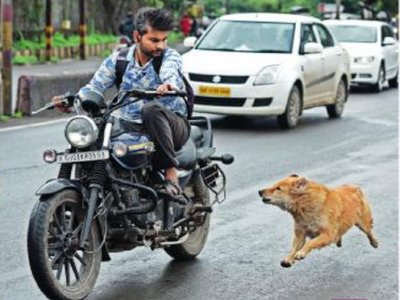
(291, 116)
(378, 86)
(335, 110)
(394, 82)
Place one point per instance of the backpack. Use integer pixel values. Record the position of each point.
(122, 63)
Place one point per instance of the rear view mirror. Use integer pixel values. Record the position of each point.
(388, 41)
(189, 42)
(312, 48)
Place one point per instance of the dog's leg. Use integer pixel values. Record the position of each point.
(365, 224)
(371, 236)
(324, 239)
(298, 242)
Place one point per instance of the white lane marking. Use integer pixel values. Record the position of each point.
(378, 122)
(34, 125)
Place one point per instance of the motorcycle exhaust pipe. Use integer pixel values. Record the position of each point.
(226, 159)
(178, 242)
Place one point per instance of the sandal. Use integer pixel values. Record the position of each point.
(171, 188)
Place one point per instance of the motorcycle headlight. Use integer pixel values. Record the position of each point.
(81, 132)
(364, 60)
(268, 75)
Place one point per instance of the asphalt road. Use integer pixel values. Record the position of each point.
(248, 239)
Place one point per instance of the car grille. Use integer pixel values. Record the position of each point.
(223, 79)
(235, 102)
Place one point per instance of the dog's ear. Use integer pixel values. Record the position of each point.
(294, 175)
(300, 186)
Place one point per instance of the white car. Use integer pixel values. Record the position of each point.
(267, 65)
(373, 50)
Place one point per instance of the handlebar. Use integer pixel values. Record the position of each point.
(118, 100)
(153, 94)
(67, 100)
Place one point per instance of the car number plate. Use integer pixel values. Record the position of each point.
(83, 156)
(214, 91)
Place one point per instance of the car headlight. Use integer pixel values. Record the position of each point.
(364, 60)
(268, 75)
(81, 132)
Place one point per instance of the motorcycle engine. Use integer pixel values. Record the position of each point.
(131, 198)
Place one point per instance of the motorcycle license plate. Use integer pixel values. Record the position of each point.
(83, 156)
(214, 91)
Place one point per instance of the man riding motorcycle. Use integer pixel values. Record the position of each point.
(164, 120)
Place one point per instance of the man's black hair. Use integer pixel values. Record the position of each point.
(159, 19)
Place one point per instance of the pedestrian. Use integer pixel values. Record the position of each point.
(186, 25)
(194, 28)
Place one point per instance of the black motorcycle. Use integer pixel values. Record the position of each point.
(106, 199)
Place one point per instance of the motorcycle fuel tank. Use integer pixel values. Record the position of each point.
(139, 147)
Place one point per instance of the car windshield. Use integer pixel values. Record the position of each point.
(240, 36)
(354, 33)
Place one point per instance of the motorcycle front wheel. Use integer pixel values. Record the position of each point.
(61, 269)
(197, 239)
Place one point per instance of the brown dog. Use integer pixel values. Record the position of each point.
(320, 213)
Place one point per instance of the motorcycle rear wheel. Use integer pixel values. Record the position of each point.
(61, 270)
(197, 239)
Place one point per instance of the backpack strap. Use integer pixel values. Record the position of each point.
(120, 67)
(157, 62)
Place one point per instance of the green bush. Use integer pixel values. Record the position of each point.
(97, 38)
(60, 41)
(17, 115)
(27, 45)
(175, 37)
(25, 60)
(53, 59)
(106, 53)
(4, 118)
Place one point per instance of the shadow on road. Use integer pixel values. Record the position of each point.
(265, 124)
(366, 90)
(176, 277)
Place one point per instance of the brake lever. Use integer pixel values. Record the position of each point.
(48, 106)
(67, 100)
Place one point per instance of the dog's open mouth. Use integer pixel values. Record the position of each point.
(266, 200)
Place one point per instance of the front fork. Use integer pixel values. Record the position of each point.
(87, 224)
(98, 181)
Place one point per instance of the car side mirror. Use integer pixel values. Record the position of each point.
(312, 48)
(189, 42)
(388, 41)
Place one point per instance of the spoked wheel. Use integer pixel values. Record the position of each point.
(61, 269)
(198, 238)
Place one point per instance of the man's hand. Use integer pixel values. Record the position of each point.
(57, 101)
(162, 89)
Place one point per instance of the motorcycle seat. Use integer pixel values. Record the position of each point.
(197, 136)
(187, 155)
